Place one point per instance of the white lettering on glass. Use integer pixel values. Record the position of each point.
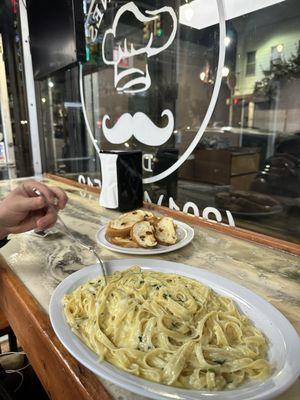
(173, 205)
(89, 13)
(230, 218)
(147, 162)
(93, 32)
(160, 200)
(193, 206)
(96, 16)
(214, 211)
(98, 182)
(104, 4)
(147, 198)
(81, 179)
(89, 181)
(190, 204)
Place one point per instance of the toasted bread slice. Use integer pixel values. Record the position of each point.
(123, 241)
(148, 216)
(143, 234)
(153, 219)
(121, 226)
(165, 231)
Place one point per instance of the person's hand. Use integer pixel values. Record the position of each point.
(21, 210)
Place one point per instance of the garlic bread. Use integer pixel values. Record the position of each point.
(143, 234)
(165, 231)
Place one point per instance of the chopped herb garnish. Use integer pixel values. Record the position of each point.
(140, 338)
(221, 362)
(156, 286)
(141, 282)
(149, 347)
(211, 370)
(165, 296)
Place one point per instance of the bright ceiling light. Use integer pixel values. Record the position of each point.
(189, 13)
(200, 14)
(43, 100)
(50, 84)
(225, 71)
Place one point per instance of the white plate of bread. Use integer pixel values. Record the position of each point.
(144, 233)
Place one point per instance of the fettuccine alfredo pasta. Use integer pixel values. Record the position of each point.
(169, 329)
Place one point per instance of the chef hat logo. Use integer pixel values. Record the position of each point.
(133, 80)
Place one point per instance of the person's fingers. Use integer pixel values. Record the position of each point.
(27, 204)
(48, 219)
(54, 195)
(24, 227)
(61, 196)
(48, 226)
(29, 223)
(45, 190)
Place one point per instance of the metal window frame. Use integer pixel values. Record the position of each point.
(251, 64)
(30, 92)
(6, 120)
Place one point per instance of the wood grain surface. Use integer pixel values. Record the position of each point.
(61, 375)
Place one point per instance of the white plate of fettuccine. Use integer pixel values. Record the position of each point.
(166, 330)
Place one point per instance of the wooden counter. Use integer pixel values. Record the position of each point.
(34, 266)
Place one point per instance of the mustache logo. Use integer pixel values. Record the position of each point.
(141, 127)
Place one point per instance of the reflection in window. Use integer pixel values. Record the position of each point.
(251, 63)
(248, 159)
(276, 54)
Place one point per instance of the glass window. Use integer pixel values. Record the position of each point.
(149, 84)
(251, 63)
(276, 54)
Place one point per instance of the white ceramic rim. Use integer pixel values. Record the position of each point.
(268, 389)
